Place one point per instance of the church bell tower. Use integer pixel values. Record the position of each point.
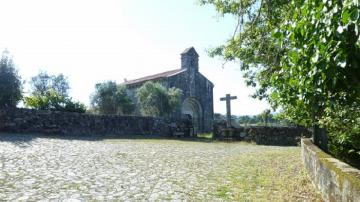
(190, 60)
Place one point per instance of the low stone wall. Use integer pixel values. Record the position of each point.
(65, 123)
(282, 136)
(336, 180)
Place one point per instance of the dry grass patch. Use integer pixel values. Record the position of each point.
(274, 175)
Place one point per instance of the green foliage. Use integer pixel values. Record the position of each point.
(322, 55)
(303, 56)
(156, 100)
(74, 106)
(252, 42)
(110, 98)
(343, 125)
(296, 113)
(41, 83)
(47, 100)
(321, 69)
(51, 100)
(50, 92)
(10, 82)
(265, 116)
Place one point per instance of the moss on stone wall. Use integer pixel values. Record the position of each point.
(344, 173)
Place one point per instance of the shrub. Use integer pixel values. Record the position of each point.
(50, 92)
(343, 125)
(156, 100)
(10, 82)
(110, 98)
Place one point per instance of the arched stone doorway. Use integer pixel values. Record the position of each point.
(193, 108)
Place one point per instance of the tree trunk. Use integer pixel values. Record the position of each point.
(320, 137)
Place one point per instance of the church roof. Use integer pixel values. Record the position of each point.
(154, 77)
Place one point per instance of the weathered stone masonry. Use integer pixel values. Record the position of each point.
(336, 180)
(197, 98)
(262, 135)
(65, 123)
(282, 136)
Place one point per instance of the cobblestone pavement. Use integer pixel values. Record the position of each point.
(38, 168)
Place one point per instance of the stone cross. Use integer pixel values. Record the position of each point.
(228, 98)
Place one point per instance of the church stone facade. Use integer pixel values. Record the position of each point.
(197, 97)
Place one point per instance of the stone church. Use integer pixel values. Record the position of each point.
(197, 97)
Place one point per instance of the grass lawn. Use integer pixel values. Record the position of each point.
(273, 175)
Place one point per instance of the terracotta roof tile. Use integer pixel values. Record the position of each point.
(154, 77)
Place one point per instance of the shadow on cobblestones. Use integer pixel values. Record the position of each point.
(24, 140)
(18, 140)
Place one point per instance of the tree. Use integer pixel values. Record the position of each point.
(10, 82)
(41, 83)
(252, 43)
(303, 56)
(155, 100)
(110, 98)
(293, 50)
(322, 56)
(321, 64)
(265, 116)
(50, 92)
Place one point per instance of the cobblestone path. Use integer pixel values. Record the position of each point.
(38, 168)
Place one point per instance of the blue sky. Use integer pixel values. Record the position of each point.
(91, 41)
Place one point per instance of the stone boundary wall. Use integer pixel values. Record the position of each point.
(336, 180)
(263, 135)
(67, 123)
(282, 136)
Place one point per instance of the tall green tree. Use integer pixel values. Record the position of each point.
(42, 82)
(297, 53)
(110, 98)
(321, 64)
(302, 55)
(252, 43)
(51, 92)
(10, 82)
(155, 100)
(265, 116)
